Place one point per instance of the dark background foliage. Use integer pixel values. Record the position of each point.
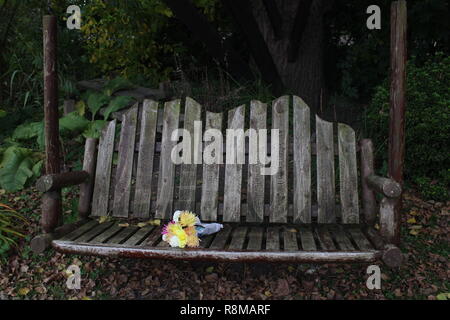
(144, 41)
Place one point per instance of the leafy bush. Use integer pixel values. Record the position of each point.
(20, 164)
(427, 160)
(9, 230)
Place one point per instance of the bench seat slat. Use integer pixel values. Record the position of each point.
(325, 171)
(302, 162)
(125, 166)
(348, 174)
(233, 168)
(144, 172)
(166, 178)
(273, 239)
(100, 198)
(210, 185)
(238, 238)
(290, 239)
(255, 238)
(255, 189)
(188, 180)
(279, 181)
(307, 239)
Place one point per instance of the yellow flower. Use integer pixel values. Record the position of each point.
(175, 230)
(192, 238)
(187, 219)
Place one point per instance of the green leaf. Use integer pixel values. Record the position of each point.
(80, 107)
(73, 122)
(443, 296)
(28, 130)
(2, 113)
(16, 168)
(37, 168)
(95, 101)
(117, 84)
(94, 129)
(117, 104)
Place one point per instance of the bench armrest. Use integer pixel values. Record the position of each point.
(52, 182)
(387, 187)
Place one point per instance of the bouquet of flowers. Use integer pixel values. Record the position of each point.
(186, 228)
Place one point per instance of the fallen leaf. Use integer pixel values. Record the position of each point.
(155, 222)
(443, 296)
(102, 219)
(2, 191)
(141, 224)
(267, 293)
(124, 225)
(412, 220)
(414, 232)
(86, 298)
(23, 291)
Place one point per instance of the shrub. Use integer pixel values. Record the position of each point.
(427, 125)
(9, 228)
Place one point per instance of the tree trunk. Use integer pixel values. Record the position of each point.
(303, 76)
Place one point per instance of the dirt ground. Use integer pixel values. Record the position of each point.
(424, 275)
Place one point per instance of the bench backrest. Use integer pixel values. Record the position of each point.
(135, 176)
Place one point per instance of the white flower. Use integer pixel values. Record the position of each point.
(174, 242)
(176, 215)
(164, 237)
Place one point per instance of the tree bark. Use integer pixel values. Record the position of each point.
(303, 76)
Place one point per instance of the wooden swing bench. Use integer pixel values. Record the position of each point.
(299, 214)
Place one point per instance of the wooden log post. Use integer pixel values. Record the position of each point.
(51, 202)
(397, 102)
(41, 242)
(55, 182)
(367, 169)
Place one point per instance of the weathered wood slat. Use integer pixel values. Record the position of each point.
(238, 238)
(138, 236)
(104, 236)
(78, 232)
(210, 185)
(188, 180)
(98, 229)
(325, 171)
(205, 242)
(255, 189)
(348, 174)
(290, 239)
(152, 238)
(360, 239)
(167, 168)
(144, 172)
(325, 239)
(302, 162)
(86, 189)
(221, 238)
(163, 244)
(279, 181)
(100, 197)
(255, 238)
(341, 238)
(124, 172)
(273, 239)
(307, 239)
(122, 235)
(233, 170)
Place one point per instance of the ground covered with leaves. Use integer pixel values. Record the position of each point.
(424, 275)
